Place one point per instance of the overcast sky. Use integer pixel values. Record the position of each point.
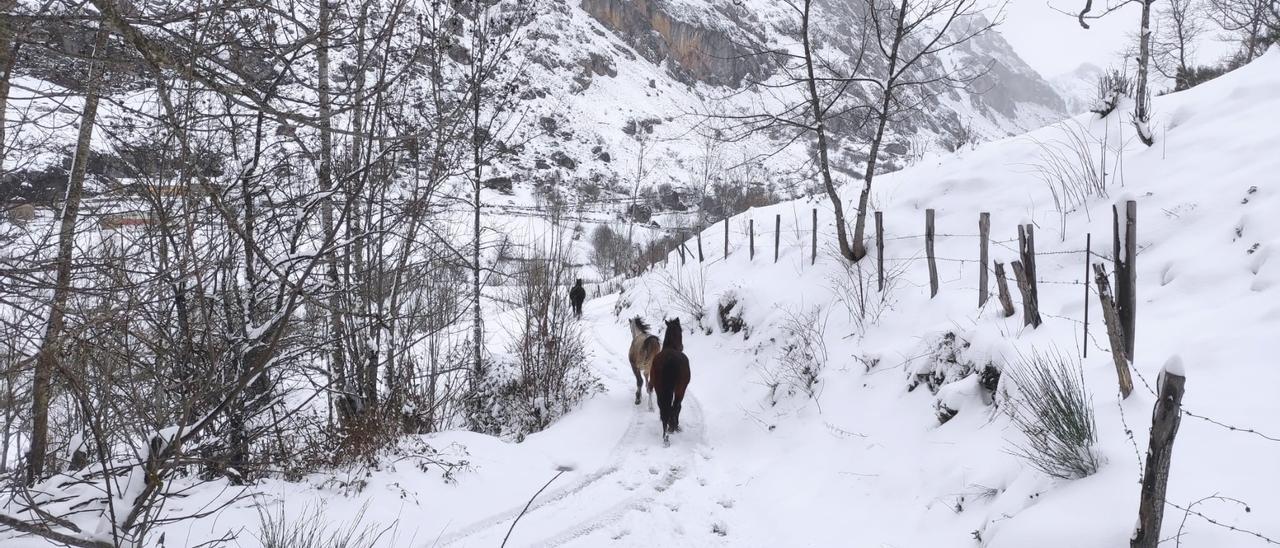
(1053, 43)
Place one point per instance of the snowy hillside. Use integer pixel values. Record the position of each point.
(865, 462)
(600, 67)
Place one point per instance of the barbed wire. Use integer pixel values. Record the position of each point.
(1189, 511)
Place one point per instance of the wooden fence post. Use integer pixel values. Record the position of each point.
(751, 239)
(777, 235)
(1025, 272)
(1165, 419)
(1114, 331)
(984, 234)
(1002, 285)
(1088, 255)
(814, 258)
(726, 237)
(1030, 311)
(700, 258)
(1129, 303)
(680, 247)
(880, 250)
(928, 252)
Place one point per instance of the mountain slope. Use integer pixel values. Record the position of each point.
(599, 69)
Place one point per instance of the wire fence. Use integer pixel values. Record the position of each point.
(774, 239)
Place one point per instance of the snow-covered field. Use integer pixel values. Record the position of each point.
(866, 462)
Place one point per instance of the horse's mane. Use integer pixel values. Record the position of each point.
(673, 339)
(639, 323)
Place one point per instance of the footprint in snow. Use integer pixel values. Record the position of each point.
(720, 528)
(725, 503)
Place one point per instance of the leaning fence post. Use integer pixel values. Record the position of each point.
(928, 252)
(1030, 310)
(814, 253)
(726, 237)
(1002, 285)
(1165, 418)
(880, 250)
(1114, 330)
(984, 233)
(777, 235)
(751, 239)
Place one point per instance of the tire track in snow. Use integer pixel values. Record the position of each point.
(623, 449)
(612, 514)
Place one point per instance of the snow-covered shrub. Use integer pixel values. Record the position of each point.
(975, 391)
(544, 373)
(686, 289)
(313, 529)
(729, 312)
(801, 355)
(1055, 414)
(945, 363)
(1113, 85)
(856, 286)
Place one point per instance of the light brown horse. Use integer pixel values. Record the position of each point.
(643, 348)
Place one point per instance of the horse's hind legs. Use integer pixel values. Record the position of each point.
(639, 384)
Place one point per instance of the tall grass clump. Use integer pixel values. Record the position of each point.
(1054, 412)
(313, 529)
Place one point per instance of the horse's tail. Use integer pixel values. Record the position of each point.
(650, 348)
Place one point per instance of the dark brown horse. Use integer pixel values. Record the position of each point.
(669, 375)
(576, 296)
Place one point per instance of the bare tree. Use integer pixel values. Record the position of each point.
(908, 35)
(9, 46)
(1178, 28)
(46, 360)
(491, 81)
(1141, 91)
(1252, 24)
(814, 92)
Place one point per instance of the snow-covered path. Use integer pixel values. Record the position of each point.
(638, 490)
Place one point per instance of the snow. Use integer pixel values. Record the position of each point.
(867, 463)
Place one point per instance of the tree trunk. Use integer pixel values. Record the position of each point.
(824, 165)
(8, 58)
(860, 250)
(324, 174)
(477, 320)
(1142, 96)
(47, 358)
